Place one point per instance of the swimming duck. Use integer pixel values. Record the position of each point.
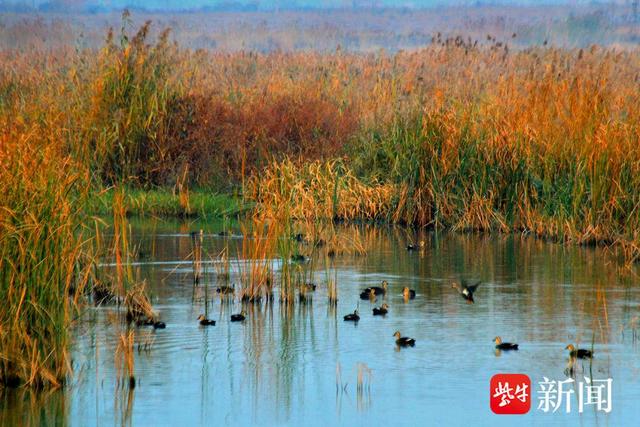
(466, 291)
(299, 258)
(206, 322)
(353, 317)
(377, 290)
(368, 294)
(159, 325)
(384, 309)
(414, 247)
(238, 317)
(580, 353)
(147, 321)
(308, 287)
(225, 290)
(504, 345)
(404, 341)
(408, 293)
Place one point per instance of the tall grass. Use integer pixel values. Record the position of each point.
(44, 254)
(132, 97)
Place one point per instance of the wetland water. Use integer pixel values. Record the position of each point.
(280, 365)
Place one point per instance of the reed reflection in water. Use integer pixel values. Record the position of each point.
(300, 364)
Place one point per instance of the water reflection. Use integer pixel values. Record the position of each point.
(284, 363)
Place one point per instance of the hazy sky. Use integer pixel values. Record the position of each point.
(273, 4)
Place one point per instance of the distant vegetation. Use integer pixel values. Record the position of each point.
(360, 29)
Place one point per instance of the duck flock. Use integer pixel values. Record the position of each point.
(464, 289)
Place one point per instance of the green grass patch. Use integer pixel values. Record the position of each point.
(165, 203)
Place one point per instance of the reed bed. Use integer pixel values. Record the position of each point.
(256, 258)
(470, 135)
(45, 257)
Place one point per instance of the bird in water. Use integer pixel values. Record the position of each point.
(206, 322)
(352, 317)
(371, 292)
(159, 325)
(368, 294)
(404, 341)
(308, 287)
(408, 293)
(299, 258)
(151, 322)
(414, 247)
(226, 290)
(384, 309)
(580, 353)
(504, 345)
(238, 317)
(466, 291)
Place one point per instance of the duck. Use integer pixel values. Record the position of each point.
(308, 287)
(384, 309)
(147, 321)
(225, 290)
(414, 247)
(352, 317)
(466, 291)
(368, 294)
(299, 258)
(206, 322)
(408, 293)
(580, 353)
(151, 322)
(504, 345)
(159, 325)
(404, 341)
(377, 290)
(238, 317)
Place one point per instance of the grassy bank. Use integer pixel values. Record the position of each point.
(166, 203)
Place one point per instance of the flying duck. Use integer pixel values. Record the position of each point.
(466, 291)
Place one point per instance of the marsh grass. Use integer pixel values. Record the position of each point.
(164, 202)
(197, 238)
(125, 360)
(255, 259)
(45, 257)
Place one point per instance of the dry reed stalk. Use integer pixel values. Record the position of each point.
(124, 359)
(196, 252)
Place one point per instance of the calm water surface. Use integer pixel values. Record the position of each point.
(299, 365)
